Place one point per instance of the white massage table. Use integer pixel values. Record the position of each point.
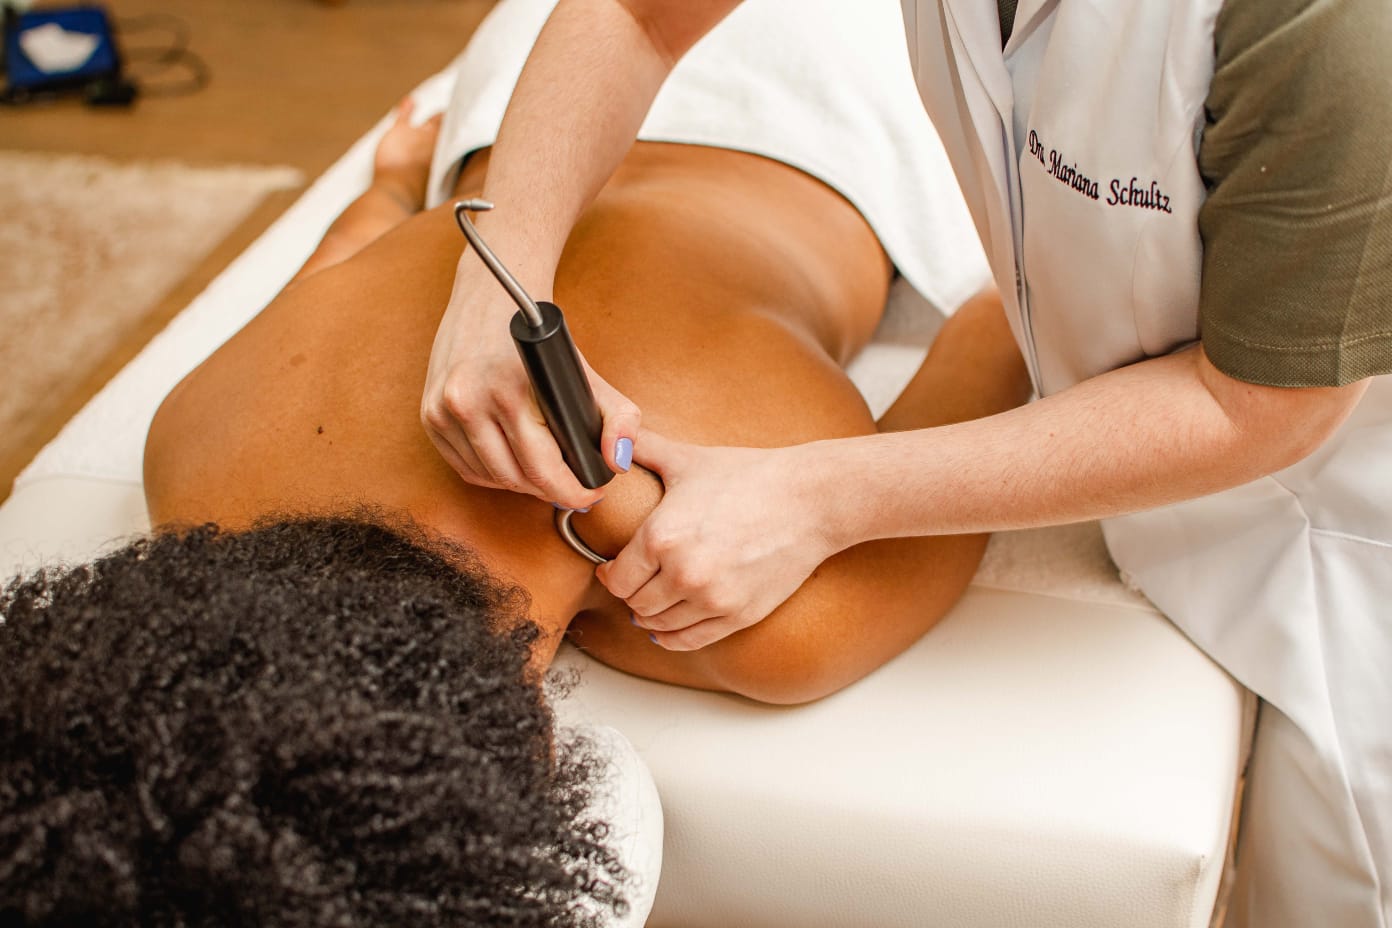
(1054, 755)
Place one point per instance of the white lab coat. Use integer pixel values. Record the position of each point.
(1076, 149)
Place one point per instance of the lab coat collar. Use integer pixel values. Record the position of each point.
(974, 26)
(1028, 17)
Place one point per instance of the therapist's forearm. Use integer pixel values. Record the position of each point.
(581, 98)
(1153, 433)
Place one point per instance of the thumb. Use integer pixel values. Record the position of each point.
(622, 419)
(658, 454)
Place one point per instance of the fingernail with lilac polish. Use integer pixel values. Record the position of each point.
(652, 636)
(633, 618)
(623, 454)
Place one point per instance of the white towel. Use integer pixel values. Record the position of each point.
(822, 85)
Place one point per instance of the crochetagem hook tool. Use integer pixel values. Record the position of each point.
(553, 365)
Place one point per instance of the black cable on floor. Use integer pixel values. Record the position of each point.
(148, 65)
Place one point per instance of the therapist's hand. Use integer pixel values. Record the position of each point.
(479, 411)
(734, 536)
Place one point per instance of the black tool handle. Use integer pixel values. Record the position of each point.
(563, 392)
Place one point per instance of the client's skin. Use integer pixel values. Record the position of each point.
(721, 291)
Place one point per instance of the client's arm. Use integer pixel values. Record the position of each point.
(974, 369)
(859, 608)
(400, 169)
(1152, 433)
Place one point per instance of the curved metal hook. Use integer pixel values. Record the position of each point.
(567, 532)
(525, 303)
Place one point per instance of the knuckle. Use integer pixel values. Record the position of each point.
(663, 622)
(495, 476)
(434, 417)
(455, 400)
(690, 576)
(668, 643)
(499, 401)
(534, 474)
(687, 639)
(662, 539)
(723, 602)
(639, 600)
(539, 474)
(614, 584)
(503, 475)
(503, 397)
(613, 571)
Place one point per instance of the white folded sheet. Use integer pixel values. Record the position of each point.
(822, 85)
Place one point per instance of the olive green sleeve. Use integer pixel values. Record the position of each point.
(1297, 227)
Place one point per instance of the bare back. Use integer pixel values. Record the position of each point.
(720, 291)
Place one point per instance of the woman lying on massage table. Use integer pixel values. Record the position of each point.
(728, 329)
(347, 673)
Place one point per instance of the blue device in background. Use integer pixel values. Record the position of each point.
(25, 79)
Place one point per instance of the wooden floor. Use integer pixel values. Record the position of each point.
(293, 82)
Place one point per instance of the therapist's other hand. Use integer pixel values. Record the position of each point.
(732, 539)
(479, 411)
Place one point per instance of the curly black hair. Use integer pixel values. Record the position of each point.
(319, 722)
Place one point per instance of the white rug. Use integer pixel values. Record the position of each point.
(88, 247)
